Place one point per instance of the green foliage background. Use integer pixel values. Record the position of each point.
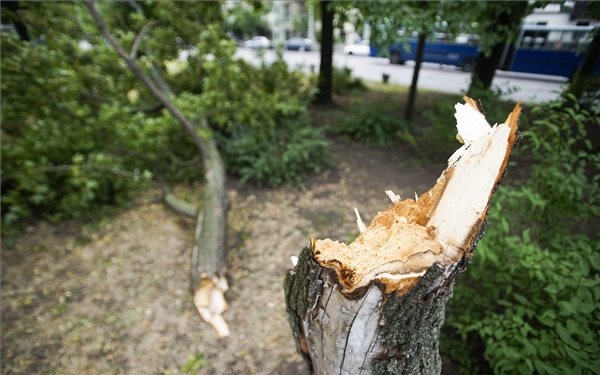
(80, 132)
(531, 299)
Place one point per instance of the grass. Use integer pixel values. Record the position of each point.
(193, 364)
(375, 115)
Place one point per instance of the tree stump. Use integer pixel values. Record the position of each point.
(376, 306)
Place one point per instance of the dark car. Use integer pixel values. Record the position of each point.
(298, 44)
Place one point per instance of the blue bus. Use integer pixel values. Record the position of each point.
(461, 53)
(540, 49)
(553, 50)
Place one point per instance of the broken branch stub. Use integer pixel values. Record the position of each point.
(440, 226)
(376, 305)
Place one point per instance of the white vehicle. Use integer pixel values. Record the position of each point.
(361, 48)
(258, 42)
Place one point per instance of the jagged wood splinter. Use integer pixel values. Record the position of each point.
(376, 306)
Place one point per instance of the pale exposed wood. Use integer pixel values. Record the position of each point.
(376, 306)
(359, 222)
(440, 225)
(210, 303)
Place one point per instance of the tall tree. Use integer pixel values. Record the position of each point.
(499, 23)
(324, 96)
(584, 74)
(421, 17)
(412, 93)
(583, 78)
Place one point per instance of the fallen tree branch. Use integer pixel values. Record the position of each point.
(376, 306)
(207, 281)
(181, 206)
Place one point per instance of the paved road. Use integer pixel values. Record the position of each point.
(515, 86)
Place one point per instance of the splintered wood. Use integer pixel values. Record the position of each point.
(377, 305)
(440, 226)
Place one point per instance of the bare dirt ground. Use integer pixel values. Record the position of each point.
(113, 298)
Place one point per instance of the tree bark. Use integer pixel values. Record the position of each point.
(18, 23)
(586, 69)
(508, 16)
(207, 280)
(376, 306)
(412, 94)
(326, 65)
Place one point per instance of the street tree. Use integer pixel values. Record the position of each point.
(584, 80)
(325, 84)
(393, 21)
(247, 19)
(497, 24)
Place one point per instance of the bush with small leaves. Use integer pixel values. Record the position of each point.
(532, 294)
(370, 124)
(79, 132)
(343, 81)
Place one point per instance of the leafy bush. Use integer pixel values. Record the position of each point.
(370, 124)
(52, 155)
(80, 132)
(532, 294)
(70, 143)
(261, 119)
(285, 155)
(343, 81)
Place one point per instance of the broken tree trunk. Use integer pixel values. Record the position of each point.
(207, 279)
(376, 306)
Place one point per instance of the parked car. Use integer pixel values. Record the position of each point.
(361, 48)
(258, 42)
(298, 44)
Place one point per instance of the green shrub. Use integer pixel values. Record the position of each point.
(284, 155)
(532, 294)
(370, 124)
(54, 162)
(260, 118)
(79, 132)
(343, 81)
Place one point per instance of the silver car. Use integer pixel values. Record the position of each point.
(258, 42)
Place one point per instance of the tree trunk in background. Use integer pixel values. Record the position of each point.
(207, 279)
(508, 16)
(376, 306)
(584, 74)
(326, 65)
(20, 27)
(485, 68)
(412, 95)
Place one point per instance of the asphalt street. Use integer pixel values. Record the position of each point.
(516, 86)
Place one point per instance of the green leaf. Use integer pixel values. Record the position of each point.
(567, 308)
(565, 336)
